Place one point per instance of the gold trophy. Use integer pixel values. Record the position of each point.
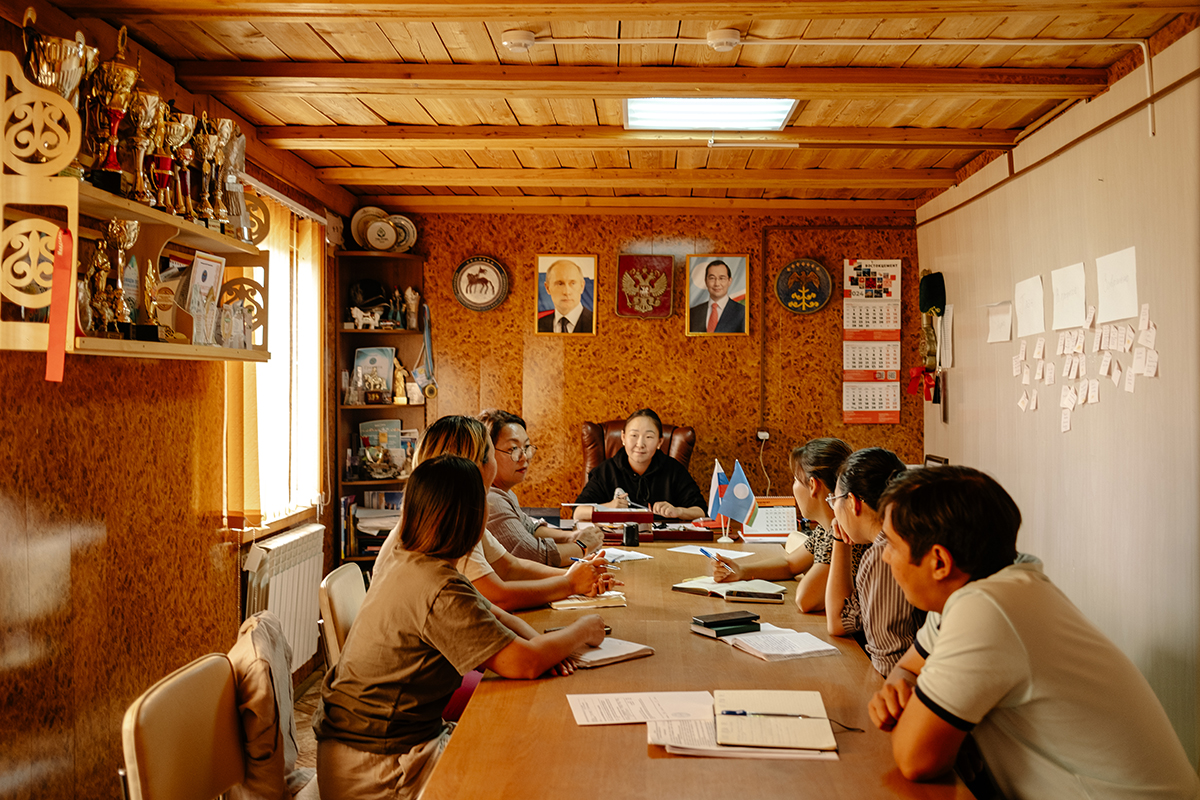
(59, 65)
(143, 114)
(225, 131)
(206, 145)
(179, 131)
(122, 234)
(111, 91)
(160, 159)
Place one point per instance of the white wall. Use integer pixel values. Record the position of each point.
(1111, 507)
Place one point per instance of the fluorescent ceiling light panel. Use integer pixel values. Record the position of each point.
(707, 113)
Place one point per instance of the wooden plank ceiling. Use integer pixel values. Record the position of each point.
(420, 106)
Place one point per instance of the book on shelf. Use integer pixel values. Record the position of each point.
(755, 591)
(392, 500)
(773, 718)
(610, 651)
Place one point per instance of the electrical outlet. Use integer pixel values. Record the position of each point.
(764, 435)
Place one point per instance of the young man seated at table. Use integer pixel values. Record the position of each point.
(1057, 711)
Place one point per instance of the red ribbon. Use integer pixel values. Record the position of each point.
(918, 376)
(60, 300)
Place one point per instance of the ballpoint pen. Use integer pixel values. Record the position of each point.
(602, 566)
(710, 555)
(740, 713)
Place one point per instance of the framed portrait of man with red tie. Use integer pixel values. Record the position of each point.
(717, 298)
(566, 293)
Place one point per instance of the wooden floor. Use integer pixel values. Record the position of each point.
(306, 705)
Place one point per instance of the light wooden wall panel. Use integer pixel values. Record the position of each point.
(1111, 506)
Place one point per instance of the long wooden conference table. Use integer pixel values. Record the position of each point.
(519, 739)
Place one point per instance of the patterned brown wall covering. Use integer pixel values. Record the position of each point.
(113, 567)
(496, 358)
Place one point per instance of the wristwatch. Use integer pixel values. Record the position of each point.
(582, 546)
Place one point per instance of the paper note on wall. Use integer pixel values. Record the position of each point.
(1067, 286)
(999, 322)
(1116, 284)
(1030, 306)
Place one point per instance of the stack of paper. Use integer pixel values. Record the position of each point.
(772, 718)
(698, 737)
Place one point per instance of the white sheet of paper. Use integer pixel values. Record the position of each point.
(1151, 363)
(694, 549)
(1104, 335)
(1129, 338)
(1116, 373)
(1093, 391)
(635, 707)
(1023, 403)
(999, 322)
(1049, 373)
(1030, 306)
(1090, 318)
(1067, 286)
(1033, 400)
(946, 338)
(1147, 337)
(1130, 376)
(1080, 336)
(1082, 369)
(1072, 369)
(1139, 361)
(1081, 392)
(1105, 363)
(1144, 317)
(1023, 351)
(1066, 398)
(1026, 375)
(1116, 283)
(1016, 366)
(1040, 371)
(1065, 423)
(1039, 349)
(1062, 344)
(615, 555)
(1096, 341)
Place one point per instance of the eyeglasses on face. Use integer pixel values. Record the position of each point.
(832, 498)
(528, 450)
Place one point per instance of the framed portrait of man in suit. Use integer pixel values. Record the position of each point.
(717, 297)
(566, 294)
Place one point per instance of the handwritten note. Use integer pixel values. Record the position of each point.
(1033, 400)
(1065, 424)
(1144, 317)
(1039, 349)
(1040, 371)
(1030, 305)
(1026, 375)
(999, 322)
(1082, 362)
(1093, 391)
(1147, 337)
(1104, 336)
(1116, 283)
(1105, 363)
(1151, 363)
(1023, 403)
(1091, 316)
(1067, 286)
(1050, 373)
(1139, 361)
(1116, 373)
(1130, 376)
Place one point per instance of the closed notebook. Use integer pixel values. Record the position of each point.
(726, 630)
(611, 651)
(773, 718)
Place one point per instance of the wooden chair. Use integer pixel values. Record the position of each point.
(602, 440)
(182, 738)
(340, 596)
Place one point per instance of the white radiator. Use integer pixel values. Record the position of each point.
(285, 573)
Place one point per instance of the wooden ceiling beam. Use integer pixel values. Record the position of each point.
(733, 11)
(557, 137)
(646, 178)
(725, 206)
(546, 82)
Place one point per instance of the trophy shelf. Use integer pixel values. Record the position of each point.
(125, 348)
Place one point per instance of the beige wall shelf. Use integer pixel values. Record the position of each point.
(122, 348)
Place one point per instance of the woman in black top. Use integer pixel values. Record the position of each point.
(644, 475)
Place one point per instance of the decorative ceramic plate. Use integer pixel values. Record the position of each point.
(361, 219)
(803, 286)
(480, 283)
(406, 233)
(381, 235)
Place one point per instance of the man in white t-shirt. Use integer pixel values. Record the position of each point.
(1057, 711)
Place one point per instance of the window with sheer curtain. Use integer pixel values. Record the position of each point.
(273, 429)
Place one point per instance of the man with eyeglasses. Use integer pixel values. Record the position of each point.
(520, 534)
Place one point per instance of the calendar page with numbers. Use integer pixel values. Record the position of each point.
(871, 341)
(871, 402)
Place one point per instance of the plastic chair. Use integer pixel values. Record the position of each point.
(182, 738)
(341, 595)
(602, 440)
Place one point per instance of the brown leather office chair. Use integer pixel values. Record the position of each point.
(602, 440)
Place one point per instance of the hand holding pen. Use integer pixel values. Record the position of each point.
(723, 571)
(589, 576)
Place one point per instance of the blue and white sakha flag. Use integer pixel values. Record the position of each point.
(716, 489)
(739, 502)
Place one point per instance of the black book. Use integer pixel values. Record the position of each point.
(726, 630)
(725, 618)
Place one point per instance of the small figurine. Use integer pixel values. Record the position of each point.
(373, 383)
(412, 307)
(396, 306)
(399, 378)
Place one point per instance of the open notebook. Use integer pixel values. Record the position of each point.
(611, 651)
(755, 591)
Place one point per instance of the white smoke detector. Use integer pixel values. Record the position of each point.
(520, 41)
(724, 40)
